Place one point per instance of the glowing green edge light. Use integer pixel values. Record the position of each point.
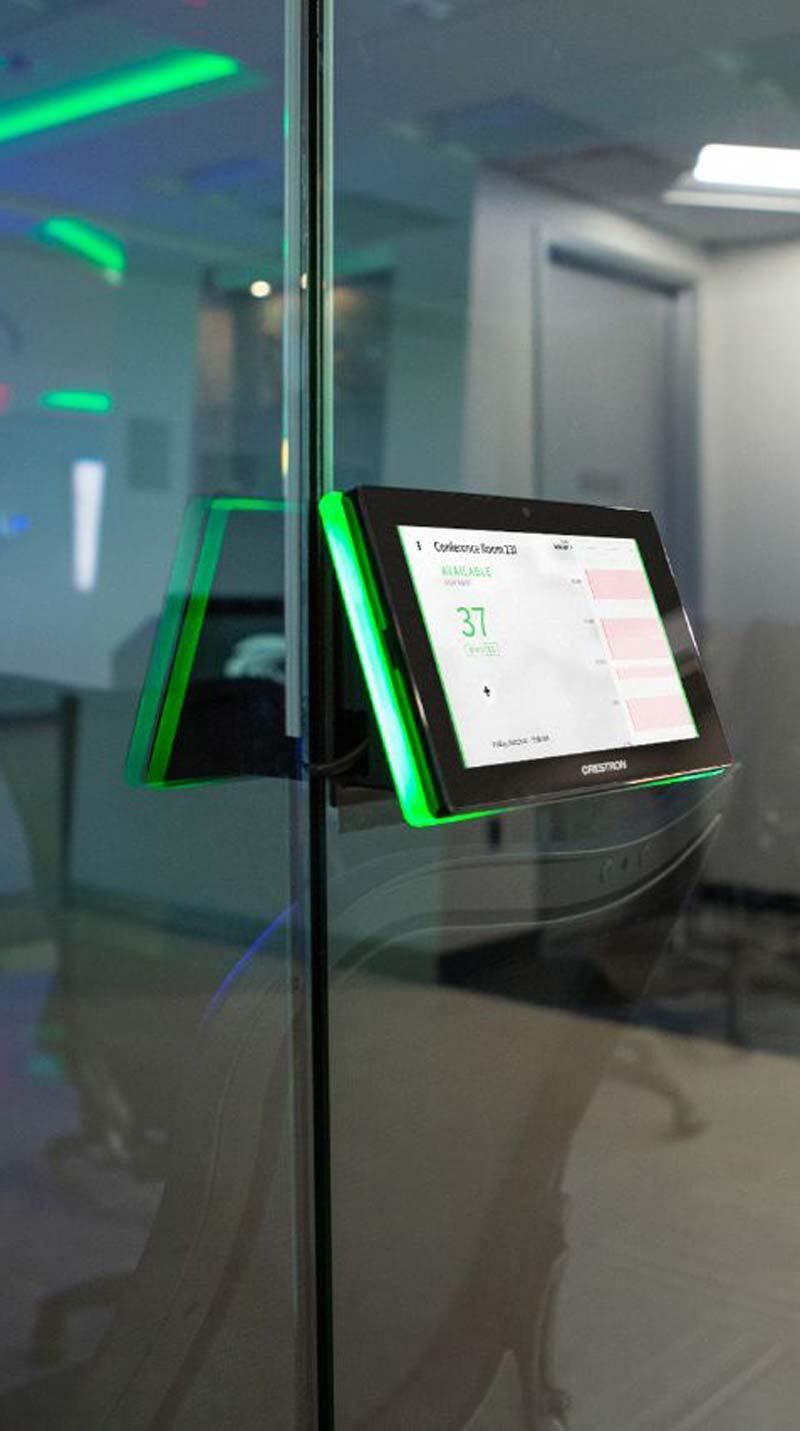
(88, 242)
(181, 70)
(676, 779)
(178, 635)
(76, 400)
(387, 692)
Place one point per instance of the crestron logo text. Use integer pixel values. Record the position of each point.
(604, 767)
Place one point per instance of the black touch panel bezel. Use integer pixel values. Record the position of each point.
(382, 510)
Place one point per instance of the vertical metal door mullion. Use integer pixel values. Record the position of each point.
(306, 450)
(318, 295)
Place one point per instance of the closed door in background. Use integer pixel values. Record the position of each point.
(614, 426)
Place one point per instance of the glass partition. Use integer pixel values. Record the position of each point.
(563, 1042)
(153, 1152)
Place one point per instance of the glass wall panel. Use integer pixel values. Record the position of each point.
(152, 1144)
(563, 1043)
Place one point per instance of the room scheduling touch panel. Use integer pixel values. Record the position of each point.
(546, 644)
(533, 649)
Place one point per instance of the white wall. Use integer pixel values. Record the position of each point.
(749, 323)
(153, 367)
(136, 341)
(427, 346)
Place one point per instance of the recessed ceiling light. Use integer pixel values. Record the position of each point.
(693, 196)
(748, 166)
(260, 288)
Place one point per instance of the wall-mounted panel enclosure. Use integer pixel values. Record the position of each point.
(519, 651)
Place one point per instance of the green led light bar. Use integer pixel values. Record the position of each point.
(386, 686)
(676, 779)
(76, 400)
(183, 69)
(97, 247)
(178, 636)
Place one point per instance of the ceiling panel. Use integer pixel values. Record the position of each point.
(610, 101)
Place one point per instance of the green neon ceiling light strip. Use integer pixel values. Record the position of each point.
(390, 700)
(97, 247)
(76, 400)
(180, 70)
(178, 635)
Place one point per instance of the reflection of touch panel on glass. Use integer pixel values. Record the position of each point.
(546, 645)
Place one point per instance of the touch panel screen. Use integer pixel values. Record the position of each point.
(546, 645)
(518, 650)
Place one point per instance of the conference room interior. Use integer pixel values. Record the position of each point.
(530, 295)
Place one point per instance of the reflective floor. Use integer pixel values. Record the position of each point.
(613, 1245)
(680, 1305)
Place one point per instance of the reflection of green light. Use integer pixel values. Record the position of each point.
(387, 691)
(90, 243)
(184, 69)
(186, 648)
(76, 400)
(678, 779)
(178, 635)
(385, 684)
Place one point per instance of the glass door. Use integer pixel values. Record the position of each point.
(566, 263)
(155, 1145)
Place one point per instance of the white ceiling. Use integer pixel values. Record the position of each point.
(609, 100)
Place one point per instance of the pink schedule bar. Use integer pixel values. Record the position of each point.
(614, 585)
(631, 637)
(658, 712)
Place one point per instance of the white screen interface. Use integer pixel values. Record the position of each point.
(545, 645)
